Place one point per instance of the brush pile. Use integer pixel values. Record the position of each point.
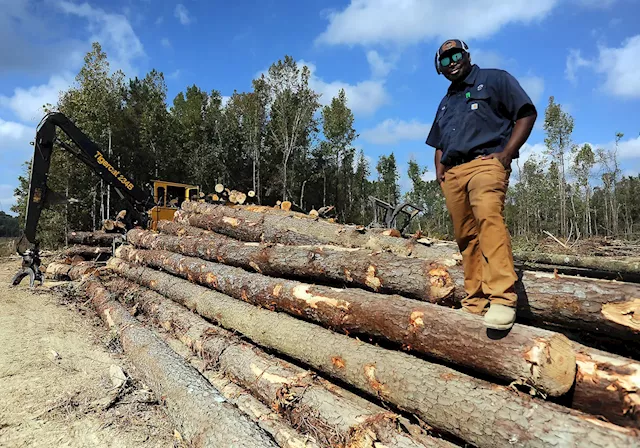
(303, 332)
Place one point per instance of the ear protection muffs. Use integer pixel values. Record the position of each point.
(465, 47)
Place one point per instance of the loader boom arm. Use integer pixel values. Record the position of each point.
(85, 150)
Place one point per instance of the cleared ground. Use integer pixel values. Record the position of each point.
(56, 376)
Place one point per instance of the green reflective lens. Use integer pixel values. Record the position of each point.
(455, 57)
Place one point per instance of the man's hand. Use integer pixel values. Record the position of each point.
(502, 157)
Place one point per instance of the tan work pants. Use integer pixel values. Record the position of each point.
(475, 193)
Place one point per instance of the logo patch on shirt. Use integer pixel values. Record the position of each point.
(474, 106)
(480, 87)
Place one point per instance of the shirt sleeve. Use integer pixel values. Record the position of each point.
(435, 138)
(513, 96)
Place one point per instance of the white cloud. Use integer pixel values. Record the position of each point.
(392, 131)
(621, 67)
(364, 97)
(369, 22)
(489, 58)
(174, 75)
(159, 20)
(574, 62)
(166, 43)
(182, 14)
(15, 135)
(534, 86)
(527, 150)
(27, 104)
(379, 67)
(113, 31)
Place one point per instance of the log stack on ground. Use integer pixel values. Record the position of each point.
(341, 333)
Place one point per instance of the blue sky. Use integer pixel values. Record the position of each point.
(586, 53)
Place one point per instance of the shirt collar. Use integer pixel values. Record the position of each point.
(469, 80)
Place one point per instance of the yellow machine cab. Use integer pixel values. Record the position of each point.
(169, 196)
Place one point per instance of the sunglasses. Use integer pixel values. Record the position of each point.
(447, 60)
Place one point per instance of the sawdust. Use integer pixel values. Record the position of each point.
(55, 362)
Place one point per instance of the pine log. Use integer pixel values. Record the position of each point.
(600, 265)
(536, 357)
(603, 307)
(87, 251)
(379, 272)
(200, 412)
(333, 415)
(484, 414)
(284, 435)
(274, 228)
(63, 271)
(608, 386)
(97, 238)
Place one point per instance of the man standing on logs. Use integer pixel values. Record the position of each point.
(479, 127)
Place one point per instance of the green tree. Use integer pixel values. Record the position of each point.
(583, 162)
(337, 120)
(293, 105)
(558, 126)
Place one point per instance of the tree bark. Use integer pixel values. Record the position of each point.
(86, 251)
(332, 415)
(201, 414)
(63, 271)
(479, 412)
(597, 306)
(379, 272)
(97, 238)
(275, 228)
(617, 267)
(607, 385)
(271, 422)
(540, 358)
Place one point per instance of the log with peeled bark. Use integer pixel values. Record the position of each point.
(274, 228)
(537, 357)
(200, 412)
(97, 238)
(379, 272)
(284, 435)
(87, 251)
(63, 271)
(623, 269)
(482, 413)
(607, 385)
(334, 416)
(601, 307)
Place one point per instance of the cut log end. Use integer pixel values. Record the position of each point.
(553, 364)
(625, 313)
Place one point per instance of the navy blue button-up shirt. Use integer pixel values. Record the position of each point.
(476, 116)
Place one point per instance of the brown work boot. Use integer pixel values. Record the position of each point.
(500, 317)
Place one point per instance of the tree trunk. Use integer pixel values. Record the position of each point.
(86, 251)
(617, 268)
(201, 414)
(537, 357)
(284, 435)
(607, 385)
(256, 227)
(63, 271)
(379, 272)
(329, 413)
(479, 412)
(97, 238)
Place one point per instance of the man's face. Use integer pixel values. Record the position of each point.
(455, 65)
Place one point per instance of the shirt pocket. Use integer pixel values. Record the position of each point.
(479, 105)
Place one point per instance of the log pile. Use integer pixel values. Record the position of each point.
(347, 337)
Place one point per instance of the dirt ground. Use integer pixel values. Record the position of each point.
(58, 365)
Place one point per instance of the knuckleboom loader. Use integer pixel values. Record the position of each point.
(147, 207)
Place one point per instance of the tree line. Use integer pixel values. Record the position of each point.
(279, 141)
